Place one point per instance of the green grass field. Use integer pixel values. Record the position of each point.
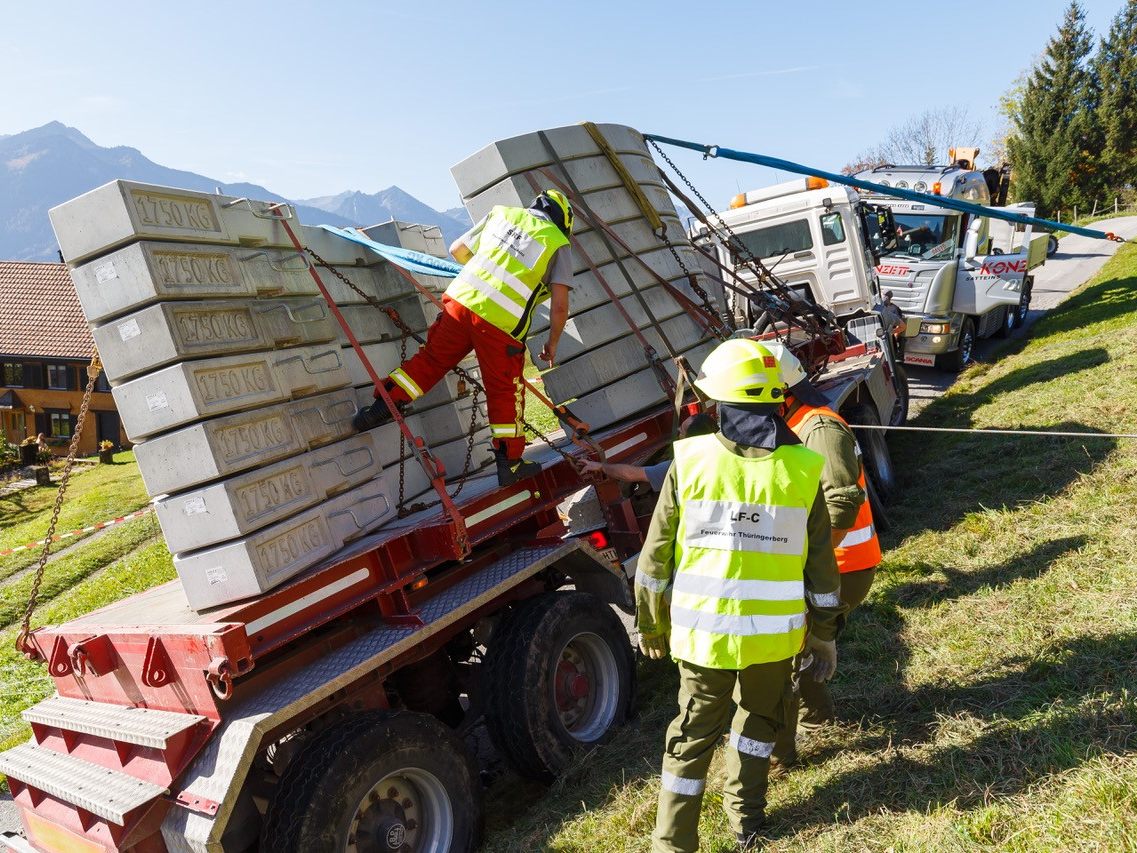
(988, 688)
(95, 570)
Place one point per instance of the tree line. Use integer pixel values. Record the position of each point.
(1071, 122)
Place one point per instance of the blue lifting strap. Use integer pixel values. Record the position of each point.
(408, 259)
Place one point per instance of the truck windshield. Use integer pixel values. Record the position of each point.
(777, 240)
(927, 237)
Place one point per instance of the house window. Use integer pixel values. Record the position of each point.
(101, 383)
(60, 424)
(13, 376)
(59, 377)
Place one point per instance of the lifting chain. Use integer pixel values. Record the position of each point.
(463, 374)
(23, 642)
(719, 227)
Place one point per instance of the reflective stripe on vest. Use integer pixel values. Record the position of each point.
(504, 280)
(860, 548)
(740, 550)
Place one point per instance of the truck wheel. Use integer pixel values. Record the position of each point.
(964, 354)
(879, 470)
(880, 520)
(900, 408)
(1008, 323)
(560, 674)
(375, 783)
(1024, 303)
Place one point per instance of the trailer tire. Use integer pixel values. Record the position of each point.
(879, 470)
(357, 777)
(560, 675)
(1051, 246)
(900, 408)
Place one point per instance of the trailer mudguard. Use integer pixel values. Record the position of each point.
(217, 777)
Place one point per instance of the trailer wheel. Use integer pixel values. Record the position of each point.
(900, 408)
(560, 674)
(879, 470)
(374, 783)
(1051, 246)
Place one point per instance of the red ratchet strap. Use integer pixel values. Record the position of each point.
(653, 360)
(434, 470)
(699, 314)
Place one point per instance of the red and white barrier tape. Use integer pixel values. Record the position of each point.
(40, 543)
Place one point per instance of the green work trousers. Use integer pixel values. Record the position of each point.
(813, 697)
(762, 694)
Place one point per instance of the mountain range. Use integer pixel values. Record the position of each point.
(48, 165)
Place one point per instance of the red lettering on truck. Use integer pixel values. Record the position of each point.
(1001, 267)
(892, 269)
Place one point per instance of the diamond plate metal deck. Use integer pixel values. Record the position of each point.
(219, 770)
(110, 794)
(139, 726)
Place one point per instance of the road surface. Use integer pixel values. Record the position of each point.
(1077, 260)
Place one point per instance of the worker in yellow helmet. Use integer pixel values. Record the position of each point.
(737, 559)
(515, 259)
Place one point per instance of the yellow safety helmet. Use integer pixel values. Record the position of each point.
(555, 205)
(742, 371)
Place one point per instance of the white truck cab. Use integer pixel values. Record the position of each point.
(944, 268)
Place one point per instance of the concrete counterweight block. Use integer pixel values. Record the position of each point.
(408, 235)
(147, 272)
(173, 331)
(188, 457)
(260, 561)
(194, 390)
(371, 324)
(125, 211)
(247, 502)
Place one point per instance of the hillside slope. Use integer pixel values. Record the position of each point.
(986, 688)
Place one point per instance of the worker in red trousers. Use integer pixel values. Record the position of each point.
(515, 259)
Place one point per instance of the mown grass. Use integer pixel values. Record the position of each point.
(96, 494)
(988, 687)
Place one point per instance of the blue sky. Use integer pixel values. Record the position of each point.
(314, 98)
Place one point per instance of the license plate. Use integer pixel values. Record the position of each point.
(918, 358)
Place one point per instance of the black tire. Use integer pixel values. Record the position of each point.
(1051, 246)
(900, 385)
(881, 522)
(537, 658)
(329, 793)
(1024, 302)
(964, 354)
(879, 470)
(1008, 322)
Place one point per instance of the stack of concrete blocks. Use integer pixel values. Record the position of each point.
(232, 378)
(601, 365)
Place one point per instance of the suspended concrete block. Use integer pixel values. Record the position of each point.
(125, 211)
(194, 390)
(147, 272)
(509, 156)
(427, 239)
(173, 331)
(632, 394)
(606, 363)
(255, 563)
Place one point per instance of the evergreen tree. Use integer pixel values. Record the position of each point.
(1117, 69)
(1056, 145)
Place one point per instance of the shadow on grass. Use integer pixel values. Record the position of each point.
(946, 476)
(1108, 300)
(1053, 711)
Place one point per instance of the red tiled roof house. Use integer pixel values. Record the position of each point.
(45, 347)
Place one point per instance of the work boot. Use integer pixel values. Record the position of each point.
(373, 416)
(509, 471)
(749, 840)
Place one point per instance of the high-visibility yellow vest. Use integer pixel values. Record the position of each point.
(860, 547)
(504, 280)
(738, 595)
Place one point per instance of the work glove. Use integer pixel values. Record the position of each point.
(654, 646)
(824, 653)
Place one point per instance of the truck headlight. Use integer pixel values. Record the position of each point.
(935, 328)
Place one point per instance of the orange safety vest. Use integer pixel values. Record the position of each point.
(860, 549)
